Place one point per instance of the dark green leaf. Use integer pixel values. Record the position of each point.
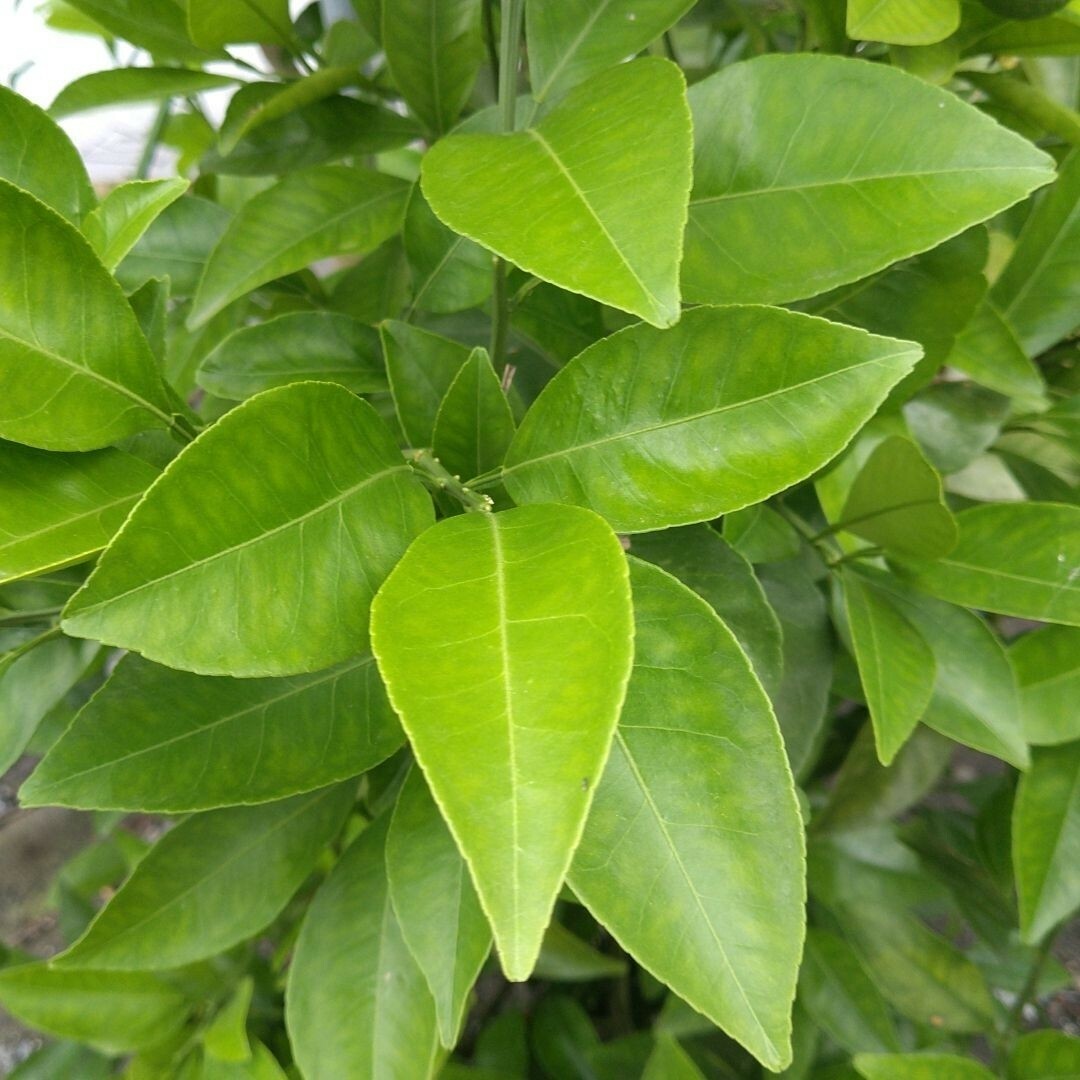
(669, 1061)
(213, 23)
(159, 26)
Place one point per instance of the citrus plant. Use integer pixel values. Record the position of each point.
(547, 513)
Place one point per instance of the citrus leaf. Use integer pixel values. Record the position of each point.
(114, 227)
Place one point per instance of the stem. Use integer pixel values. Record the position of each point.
(153, 141)
(1028, 991)
(861, 553)
(433, 472)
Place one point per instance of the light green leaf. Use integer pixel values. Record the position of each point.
(291, 348)
(640, 429)
(592, 199)
(1047, 666)
(158, 740)
(307, 216)
(356, 1003)
(159, 26)
(433, 49)
(789, 208)
(60, 509)
(575, 39)
(126, 213)
(262, 1065)
(436, 905)
(1046, 840)
(1044, 1055)
(131, 85)
(474, 425)
(212, 572)
(760, 535)
(226, 1038)
(987, 349)
(209, 883)
(37, 156)
(522, 621)
(669, 1061)
(213, 23)
(920, 1067)
(902, 22)
(75, 376)
(114, 1011)
(896, 665)
(692, 856)
(1019, 559)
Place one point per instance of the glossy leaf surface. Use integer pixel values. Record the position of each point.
(126, 213)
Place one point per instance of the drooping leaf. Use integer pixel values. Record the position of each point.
(158, 740)
(1047, 666)
(77, 376)
(436, 906)
(640, 429)
(209, 883)
(131, 85)
(214, 571)
(697, 802)
(301, 345)
(524, 625)
(796, 204)
(1046, 840)
(1018, 559)
(920, 1067)
(592, 199)
(902, 22)
(126, 213)
(212, 23)
(669, 1061)
(309, 215)
(356, 1003)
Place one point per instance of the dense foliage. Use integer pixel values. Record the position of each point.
(547, 517)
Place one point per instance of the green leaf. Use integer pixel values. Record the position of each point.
(115, 1011)
(226, 1038)
(159, 26)
(356, 1003)
(61, 509)
(1019, 559)
(209, 883)
(1038, 292)
(67, 383)
(563, 1038)
(219, 742)
(131, 85)
(920, 1067)
(567, 199)
(639, 429)
(300, 345)
(695, 825)
(126, 213)
(474, 425)
(1046, 840)
(575, 39)
(1047, 666)
(896, 502)
(209, 573)
(841, 998)
(213, 23)
(433, 50)
(987, 349)
(896, 665)
(436, 905)
(1044, 1055)
(307, 216)
(789, 208)
(699, 558)
(902, 22)
(955, 422)
(505, 641)
(669, 1061)
(564, 957)
(37, 156)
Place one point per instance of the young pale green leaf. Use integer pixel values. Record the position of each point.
(640, 429)
(692, 856)
(505, 641)
(1044, 1055)
(212, 23)
(987, 349)
(902, 22)
(37, 156)
(61, 509)
(669, 1061)
(215, 570)
(1046, 840)
(592, 199)
(131, 85)
(433, 50)
(920, 1067)
(211, 882)
(699, 558)
(421, 368)
(575, 39)
(896, 502)
(114, 227)
(294, 347)
(115, 1011)
(162, 741)
(158, 26)
(307, 216)
(1038, 292)
(790, 207)
(436, 906)
(896, 666)
(67, 383)
(474, 425)
(1047, 666)
(1019, 559)
(356, 1003)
